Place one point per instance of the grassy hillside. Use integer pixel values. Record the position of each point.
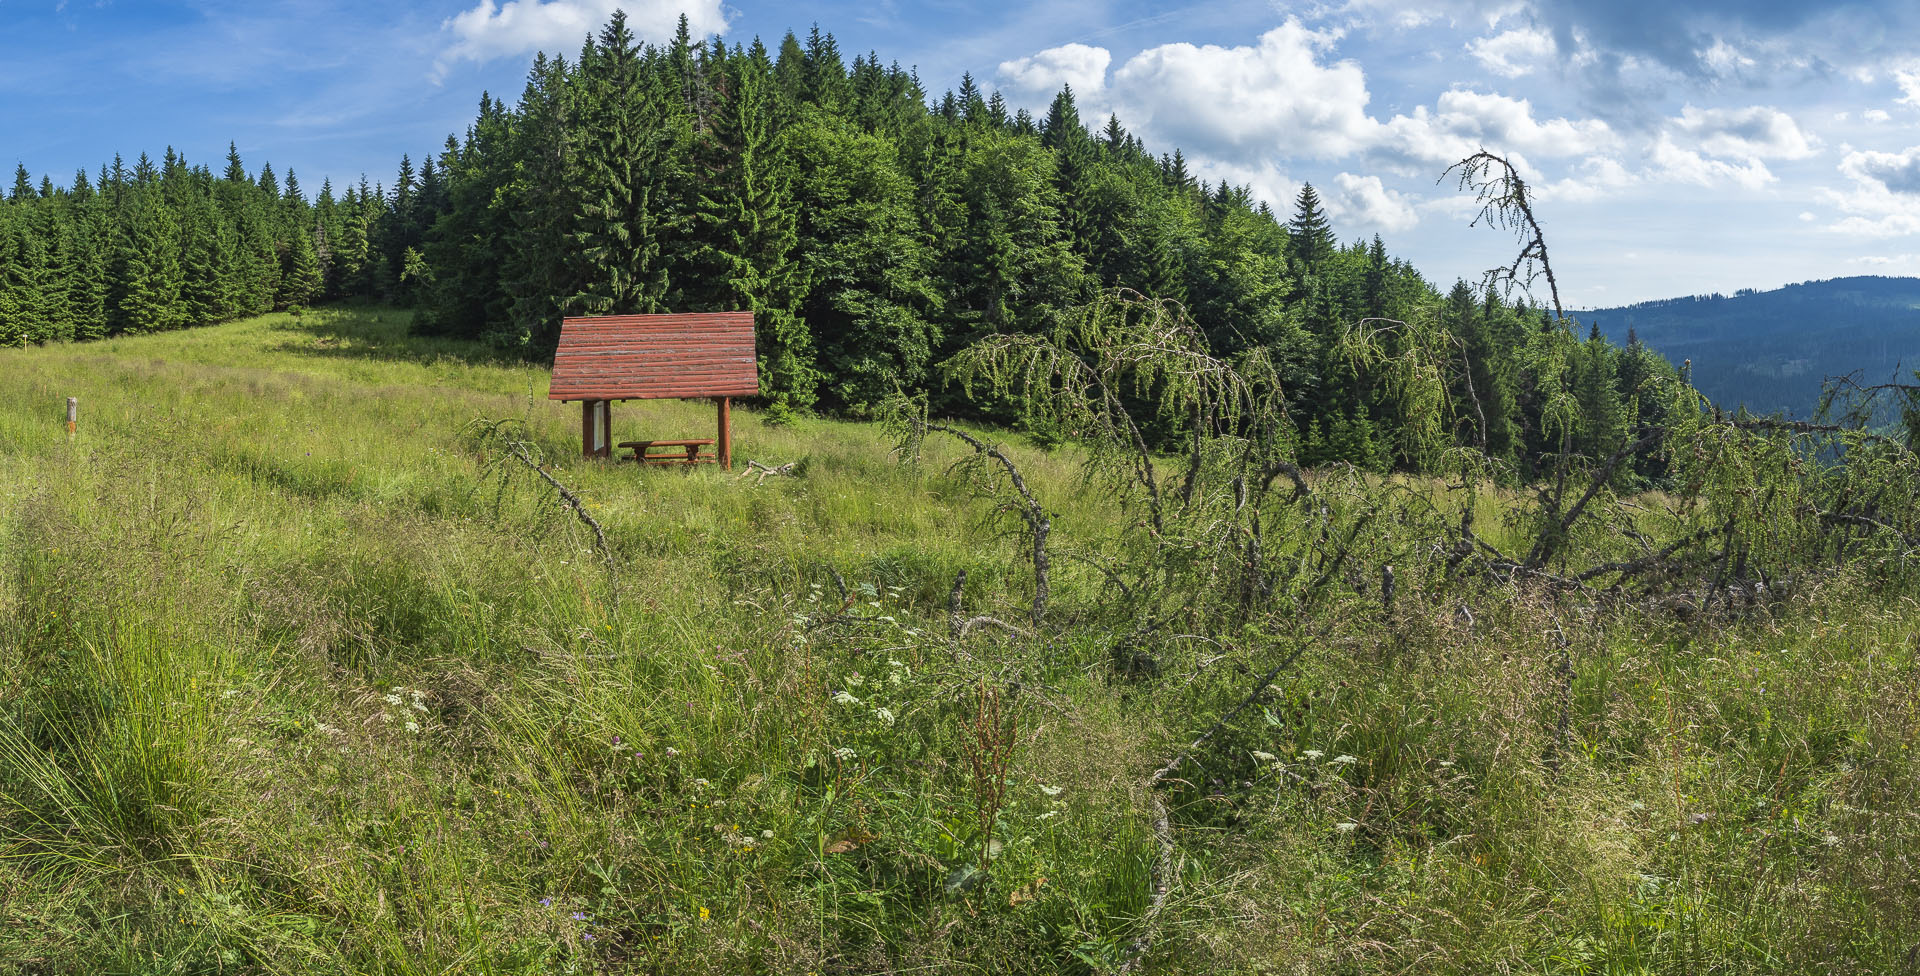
(1771, 350)
(291, 681)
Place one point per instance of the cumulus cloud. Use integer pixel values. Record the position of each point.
(1465, 121)
(1894, 172)
(1884, 200)
(1268, 97)
(1908, 78)
(1757, 132)
(1876, 116)
(1672, 162)
(1366, 202)
(491, 30)
(1513, 53)
(1599, 177)
(1078, 65)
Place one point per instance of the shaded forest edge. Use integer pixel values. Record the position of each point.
(874, 232)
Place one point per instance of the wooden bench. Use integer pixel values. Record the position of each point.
(642, 451)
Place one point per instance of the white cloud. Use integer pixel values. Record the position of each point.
(1888, 261)
(1687, 166)
(1601, 177)
(1725, 59)
(1884, 200)
(1807, 217)
(1466, 121)
(1755, 132)
(1908, 79)
(1876, 115)
(1513, 53)
(490, 30)
(1365, 201)
(1078, 65)
(1268, 98)
(1897, 173)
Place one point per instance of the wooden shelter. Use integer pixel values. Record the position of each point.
(603, 358)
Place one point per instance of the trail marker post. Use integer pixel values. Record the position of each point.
(73, 415)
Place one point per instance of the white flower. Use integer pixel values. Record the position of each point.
(1264, 756)
(418, 706)
(1344, 760)
(672, 752)
(885, 715)
(393, 699)
(701, 784)
(1346, 828)
(413, 726)
(1830, 840)
(1050, 790)
(843, 753)
(766, 834)
(1312, 753)
(845, 698)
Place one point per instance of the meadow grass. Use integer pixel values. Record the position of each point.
(291, 681)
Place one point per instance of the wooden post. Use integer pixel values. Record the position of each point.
(595, 428)
(73, 415)
(726, 434)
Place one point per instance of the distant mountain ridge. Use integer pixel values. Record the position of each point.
(1771, 350)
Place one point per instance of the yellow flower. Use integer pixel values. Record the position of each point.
(703, 913)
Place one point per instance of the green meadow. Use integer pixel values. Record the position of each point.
(298, 676)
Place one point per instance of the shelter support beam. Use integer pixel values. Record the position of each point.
(596, 428)
(724, 443)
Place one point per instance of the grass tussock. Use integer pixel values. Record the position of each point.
(288, 684)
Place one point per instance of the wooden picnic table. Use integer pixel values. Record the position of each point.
(642, 451)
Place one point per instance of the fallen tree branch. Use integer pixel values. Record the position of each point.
(1160, 879)
(768, 471)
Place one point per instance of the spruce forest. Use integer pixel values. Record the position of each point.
(872, 236)
(1117, 576)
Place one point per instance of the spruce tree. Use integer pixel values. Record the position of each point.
(617, 225)
(1312, 236)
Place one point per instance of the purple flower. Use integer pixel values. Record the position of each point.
(616, 740)
(546, 903)
(579, 917)
(586, 936)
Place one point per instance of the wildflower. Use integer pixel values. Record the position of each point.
(843, 753)
(616, 740)
(885, 715)
(1050, 790)
(672, 752)
(845, 699)
(1312, 753)
(413, 726)
(392, 699)
(586, 936)
(1344, 760)
(767, 834)
(1264, 756)
(546, 903)
(703, 913)
(578, 916)
(1346, 828)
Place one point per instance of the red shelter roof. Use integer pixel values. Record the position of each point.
(655, 357)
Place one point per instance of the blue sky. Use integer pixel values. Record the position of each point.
(1677, 148)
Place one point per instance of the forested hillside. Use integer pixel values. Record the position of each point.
(1771, 350)
(874, 232)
